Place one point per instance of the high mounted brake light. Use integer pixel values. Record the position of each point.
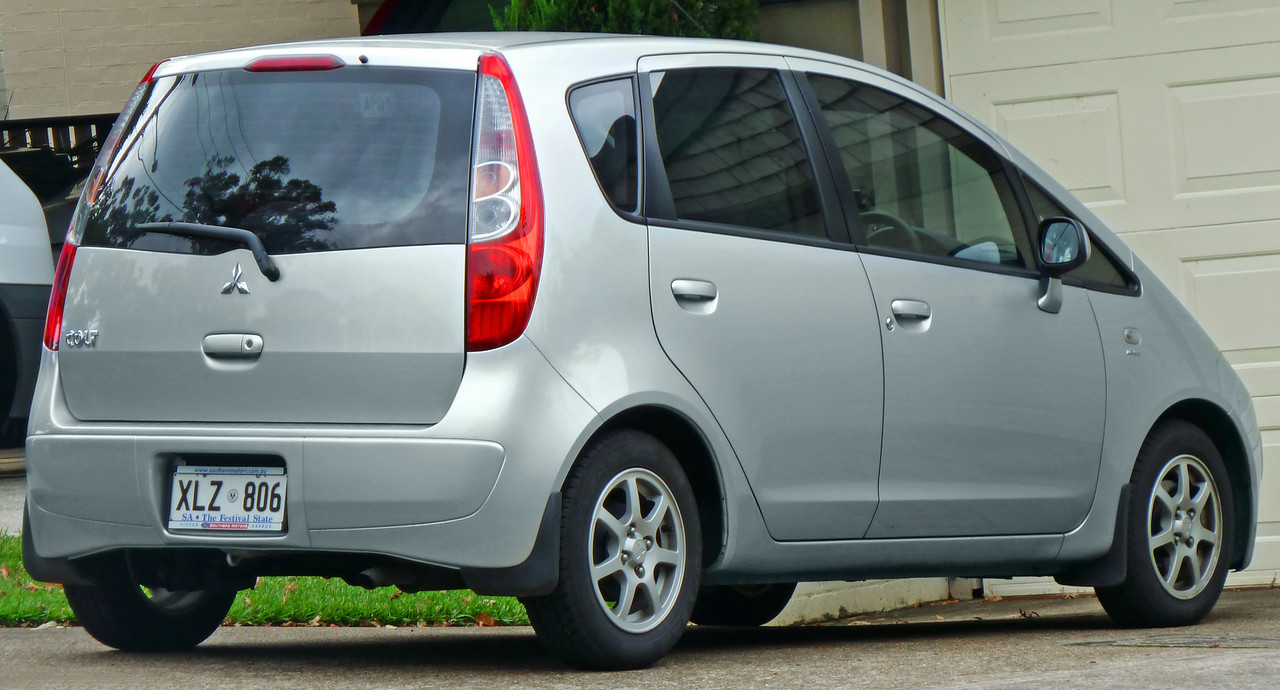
(295, 63)
(504, 252)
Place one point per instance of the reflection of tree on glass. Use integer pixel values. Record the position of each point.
(288, 215)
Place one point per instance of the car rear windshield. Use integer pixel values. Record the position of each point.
(308, 161)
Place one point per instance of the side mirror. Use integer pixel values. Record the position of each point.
(1064, 245)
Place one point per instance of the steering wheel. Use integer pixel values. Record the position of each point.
(893, 226)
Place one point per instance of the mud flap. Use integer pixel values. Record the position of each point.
(1111, 569)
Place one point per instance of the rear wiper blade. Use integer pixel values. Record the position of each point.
(248, 239)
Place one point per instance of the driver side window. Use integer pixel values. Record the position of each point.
(922, 184)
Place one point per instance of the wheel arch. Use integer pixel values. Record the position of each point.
(695, 456)
(1215, 422)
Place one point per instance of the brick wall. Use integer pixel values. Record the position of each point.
(73, 57)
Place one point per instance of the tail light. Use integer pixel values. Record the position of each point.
(58, 298)
(504, 252)
(93, 185)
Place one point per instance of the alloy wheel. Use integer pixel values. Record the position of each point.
(638, 550)
(1184, 519)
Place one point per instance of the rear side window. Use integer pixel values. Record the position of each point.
(605, 117)
(309, 161)
(732, 150)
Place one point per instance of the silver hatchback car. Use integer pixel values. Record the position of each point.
(641, 330)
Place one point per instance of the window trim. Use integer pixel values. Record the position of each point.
(658, 205)
(636, 216)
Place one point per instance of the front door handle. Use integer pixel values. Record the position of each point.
(693, 290)
(910, 309)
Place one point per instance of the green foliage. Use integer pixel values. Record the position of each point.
(289, 601)
(701, 18)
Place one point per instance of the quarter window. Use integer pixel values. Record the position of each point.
(732, 150)
(1099, 269)
(605, 117)
(921, 184)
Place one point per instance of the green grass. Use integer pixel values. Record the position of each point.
(276, 601)
(22, 600)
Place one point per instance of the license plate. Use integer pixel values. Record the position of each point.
(227, 498)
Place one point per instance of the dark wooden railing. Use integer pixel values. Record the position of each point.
(54, 152)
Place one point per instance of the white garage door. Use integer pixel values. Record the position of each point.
(1164, 117)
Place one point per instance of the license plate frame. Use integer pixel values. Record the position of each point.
(212, 499)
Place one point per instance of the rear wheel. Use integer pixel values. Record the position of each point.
(1181, 515)
(741, 605)
(630, 557)
(119, 613)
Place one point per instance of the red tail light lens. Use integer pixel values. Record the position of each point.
(504, 255)
(58, 297)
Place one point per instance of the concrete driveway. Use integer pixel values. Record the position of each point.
(1059, 643)
(13, 489)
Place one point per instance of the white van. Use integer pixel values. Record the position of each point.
(26, 272)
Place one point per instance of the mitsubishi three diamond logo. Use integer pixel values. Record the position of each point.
(235, 284)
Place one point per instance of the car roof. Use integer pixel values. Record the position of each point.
(446, 48)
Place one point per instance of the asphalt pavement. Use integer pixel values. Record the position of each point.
(1048, 642)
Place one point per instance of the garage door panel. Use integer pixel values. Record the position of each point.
(988, 35)
(1218, 287)
(1196, 132)
(1224, 138)
(1019, 18)
(1076, 137)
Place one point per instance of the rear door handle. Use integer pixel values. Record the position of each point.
(693, 290)
(910, 309)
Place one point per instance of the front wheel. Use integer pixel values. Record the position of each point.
(119, 613)
(630, 557)
(1181, 517)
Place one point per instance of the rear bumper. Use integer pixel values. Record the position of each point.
(82, 486)
(468, 494)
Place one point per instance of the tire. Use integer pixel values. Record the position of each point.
(630, 557)
(1181, 526)
(119, 613)
(745, 606)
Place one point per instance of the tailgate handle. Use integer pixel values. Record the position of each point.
(233, 345)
